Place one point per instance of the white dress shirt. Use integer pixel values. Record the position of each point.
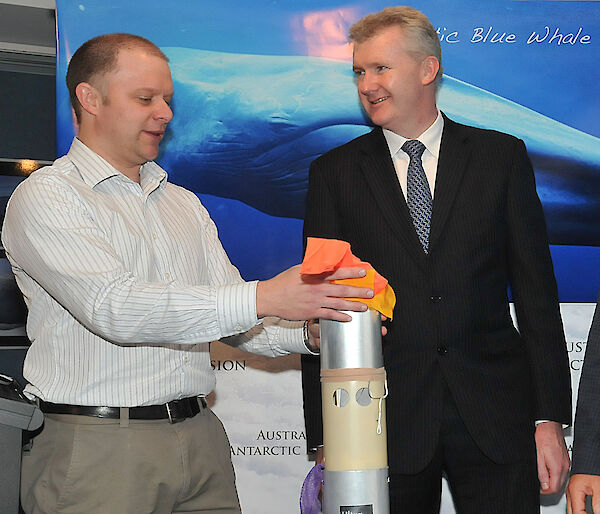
(126, 286)
(431, 138)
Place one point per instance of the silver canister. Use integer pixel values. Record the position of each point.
(352, 344)
(354, 389)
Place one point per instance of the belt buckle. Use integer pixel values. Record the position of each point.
(171, 419)
(183, 410)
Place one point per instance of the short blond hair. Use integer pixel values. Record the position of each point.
(422, 37)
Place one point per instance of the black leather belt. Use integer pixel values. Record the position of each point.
(174, 411)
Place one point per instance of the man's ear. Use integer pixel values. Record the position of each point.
(89, 97)
(429, 69)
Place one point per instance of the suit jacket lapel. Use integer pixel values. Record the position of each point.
(378, 168)
(452, 162)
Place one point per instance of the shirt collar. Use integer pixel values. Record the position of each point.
(431, 138)
(94, 169)
(152, 176)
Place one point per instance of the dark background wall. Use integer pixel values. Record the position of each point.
(27, 116)
(27, 81)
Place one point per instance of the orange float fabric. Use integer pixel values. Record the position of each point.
(327, 255)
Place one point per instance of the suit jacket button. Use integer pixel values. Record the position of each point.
(442, 350)
(435, 299)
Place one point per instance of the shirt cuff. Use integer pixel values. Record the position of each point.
(236, 308)
(291, 337)
(540, 421)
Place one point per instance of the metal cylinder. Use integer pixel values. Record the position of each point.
(352, 344)
(356, 492)
(354, 387)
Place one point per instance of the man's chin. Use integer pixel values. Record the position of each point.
(150, 154)
(379, 120)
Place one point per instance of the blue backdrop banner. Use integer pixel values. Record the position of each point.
(262, 88)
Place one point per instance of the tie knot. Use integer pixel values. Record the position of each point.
(414, 148)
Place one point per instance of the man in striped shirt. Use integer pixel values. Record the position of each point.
(126, 284)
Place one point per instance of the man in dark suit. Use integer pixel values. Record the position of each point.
(450, 216)
(585, 480)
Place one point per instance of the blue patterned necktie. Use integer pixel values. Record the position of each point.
(418, 194)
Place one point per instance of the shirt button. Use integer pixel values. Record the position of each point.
(167, 275)
(442, 350)
(238, 328)
(154, 236)
(186, 359)
(435, 299)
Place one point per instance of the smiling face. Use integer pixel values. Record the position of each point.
(396, 87)
(130, 110)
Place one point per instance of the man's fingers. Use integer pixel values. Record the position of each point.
(344, 291)
(334, 315)
(557, 476)
(577, 503)
(343, 273)
(339, 304)
(543, 475)
(552, 456)
(555, 483)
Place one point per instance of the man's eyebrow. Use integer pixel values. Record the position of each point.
(146, 90)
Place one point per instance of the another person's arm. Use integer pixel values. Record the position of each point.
(585, 479)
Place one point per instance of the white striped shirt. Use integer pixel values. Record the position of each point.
(126, 285)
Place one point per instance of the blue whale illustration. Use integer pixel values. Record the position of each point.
(247, 127)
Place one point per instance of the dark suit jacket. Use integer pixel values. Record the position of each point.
(586, 443)
(451, 322)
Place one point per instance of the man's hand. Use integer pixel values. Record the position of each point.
(581, 486)
(552, 457)
(293, 296)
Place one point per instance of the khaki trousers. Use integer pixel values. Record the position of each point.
(86, 465)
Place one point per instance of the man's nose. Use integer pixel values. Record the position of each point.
(367, 84)
(164, 112)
